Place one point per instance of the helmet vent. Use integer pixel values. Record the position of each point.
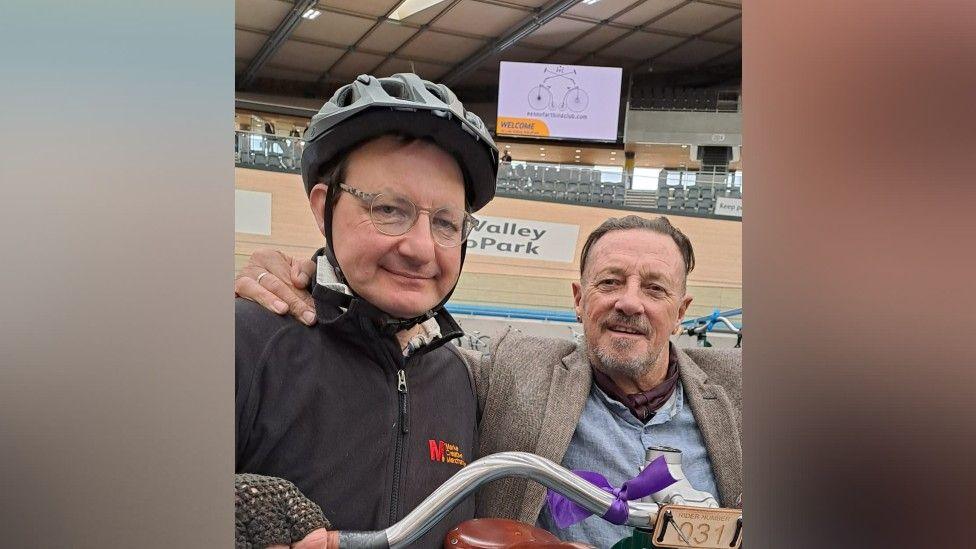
(394, 88)
(345, 98)
(436, 91)
(473, 119)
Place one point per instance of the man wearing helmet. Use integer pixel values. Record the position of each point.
(367, 411)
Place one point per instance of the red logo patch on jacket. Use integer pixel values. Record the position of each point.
(445, 452)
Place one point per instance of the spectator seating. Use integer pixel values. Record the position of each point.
(569, 184)
(682, 99)
(582, 185)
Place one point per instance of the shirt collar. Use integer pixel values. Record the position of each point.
(324, 276)
(672, 407)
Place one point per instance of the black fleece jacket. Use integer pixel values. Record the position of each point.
(336, 409)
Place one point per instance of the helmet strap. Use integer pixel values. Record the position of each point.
(327, 216)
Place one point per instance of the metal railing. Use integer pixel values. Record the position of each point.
(690, 193)
(695, 193)
(700, 327)
(265, 151)
(511, 313)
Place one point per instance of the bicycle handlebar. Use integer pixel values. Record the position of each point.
(695, 330)
(484, 470)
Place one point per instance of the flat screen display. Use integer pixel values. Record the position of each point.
(558, 101)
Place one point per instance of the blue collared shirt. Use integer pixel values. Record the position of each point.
(612, 442)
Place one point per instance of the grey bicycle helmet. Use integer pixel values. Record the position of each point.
(406, 104)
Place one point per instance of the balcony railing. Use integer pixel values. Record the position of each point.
(690, 193)
(682, 193)
(271, 152)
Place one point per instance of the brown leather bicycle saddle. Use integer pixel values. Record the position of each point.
(503, 534)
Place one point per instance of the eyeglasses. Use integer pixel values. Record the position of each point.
(394, 215)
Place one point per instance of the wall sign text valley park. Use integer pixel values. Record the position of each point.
(505, 237)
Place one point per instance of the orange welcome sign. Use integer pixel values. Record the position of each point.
(508, 125)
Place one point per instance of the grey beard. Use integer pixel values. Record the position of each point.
(635, 368)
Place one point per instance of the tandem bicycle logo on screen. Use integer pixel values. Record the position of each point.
(561, 101)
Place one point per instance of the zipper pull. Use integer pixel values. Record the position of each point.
(402, 388)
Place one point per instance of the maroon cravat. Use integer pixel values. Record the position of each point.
(643, 404)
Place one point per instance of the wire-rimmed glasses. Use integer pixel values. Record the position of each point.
(394, 215)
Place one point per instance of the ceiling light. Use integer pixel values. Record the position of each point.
(684, 146)
(410, 7)
(590, 2)
(311, 13)
(542, 148)
(577, 150)
(613, 153)
(577, 156)
(542, 154)
(508, 146)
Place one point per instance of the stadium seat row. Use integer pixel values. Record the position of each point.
(678, 99)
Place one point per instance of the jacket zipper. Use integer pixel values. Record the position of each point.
(398, 451)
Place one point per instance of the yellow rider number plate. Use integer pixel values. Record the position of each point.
(698, 527)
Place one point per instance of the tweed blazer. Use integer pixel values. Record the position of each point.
(531, 392)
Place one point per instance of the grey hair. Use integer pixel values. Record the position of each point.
(659, 225)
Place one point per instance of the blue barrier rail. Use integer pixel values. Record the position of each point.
(504, 312)
(558, 316)
(715, 314)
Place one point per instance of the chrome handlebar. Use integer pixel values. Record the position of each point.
(484, 470)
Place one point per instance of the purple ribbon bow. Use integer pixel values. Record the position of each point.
(653, 478)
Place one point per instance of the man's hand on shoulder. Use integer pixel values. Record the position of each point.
(279, 283)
